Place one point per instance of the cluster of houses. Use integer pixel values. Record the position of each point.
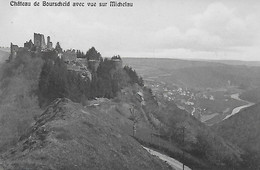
(185, 98)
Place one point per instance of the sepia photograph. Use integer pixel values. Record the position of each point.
(129, 85)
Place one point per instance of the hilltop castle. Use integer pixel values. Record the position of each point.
(84, 66)
(38, 45)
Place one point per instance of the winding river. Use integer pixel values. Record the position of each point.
(237, 109)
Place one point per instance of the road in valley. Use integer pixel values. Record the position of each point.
(172, 162)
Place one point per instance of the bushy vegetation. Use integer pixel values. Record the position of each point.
(134, 78)
(80, 54)
(91, 54)
(18, 100)
(56, 81)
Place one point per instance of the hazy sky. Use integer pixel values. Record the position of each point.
(198, 29)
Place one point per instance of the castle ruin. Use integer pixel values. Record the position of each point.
(38, 45)
(69, 56)
(28, 44)
(39, 42)
(13, 51)
(49, 43)
(118, 64)
(117, 61)
(83, 66)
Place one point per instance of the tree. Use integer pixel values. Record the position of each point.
(53, 81)
(93, 54)
(58, 48)
(134, 78)
(80, 54)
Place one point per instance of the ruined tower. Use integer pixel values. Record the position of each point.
(49, 43)
(39, 41)
(13, 51)
(117, 61)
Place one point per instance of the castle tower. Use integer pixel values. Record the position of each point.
(13, 51)
(39, 41)
(43, 44)
(49, 43)
(118, 64)
(48, 40)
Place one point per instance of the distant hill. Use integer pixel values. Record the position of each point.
(237, 62)
(162, 65)
(69, 136)
(195, 74)
(4, 54)
(5, 49)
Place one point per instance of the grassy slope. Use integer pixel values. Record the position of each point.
(69, 136)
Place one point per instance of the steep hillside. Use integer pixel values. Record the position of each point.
(214, 77)
(252, 95)
(243, 130)
(69, 136)
(166, 128)
(194, 138)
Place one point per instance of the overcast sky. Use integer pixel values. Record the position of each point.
(197, 29)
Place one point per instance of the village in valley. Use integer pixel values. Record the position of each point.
(203, 104)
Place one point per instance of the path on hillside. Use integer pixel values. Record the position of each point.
(237, 109)
(172, 162)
